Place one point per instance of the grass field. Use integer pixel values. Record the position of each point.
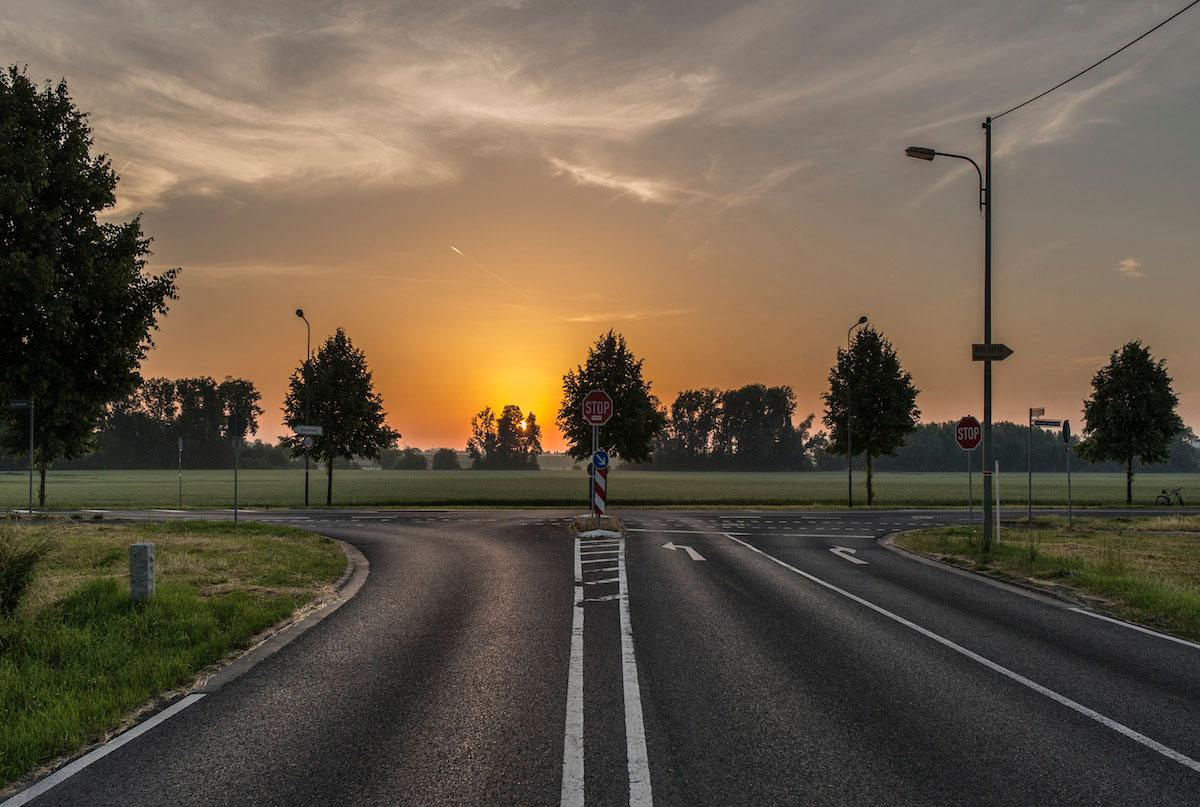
(1145, 570)
(260, 489)
(78, 656)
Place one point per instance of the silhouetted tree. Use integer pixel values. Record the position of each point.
(1131, 412)
(637, 419)
(509, 442)
(882, 401)
(408, 459)
(342, 401)
(76, 307)
(446, 459)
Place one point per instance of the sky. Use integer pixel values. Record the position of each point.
(724, 183)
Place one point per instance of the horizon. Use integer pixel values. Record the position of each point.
(487, 188)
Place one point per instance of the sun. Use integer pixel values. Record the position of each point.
(524, 425)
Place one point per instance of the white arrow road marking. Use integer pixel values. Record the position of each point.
(846, 553)
(693, 554)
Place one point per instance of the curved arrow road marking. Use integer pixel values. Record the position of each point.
(693, 554)
(846, 553)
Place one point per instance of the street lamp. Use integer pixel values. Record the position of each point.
(850, 453)
(985, 204)
(307, 394)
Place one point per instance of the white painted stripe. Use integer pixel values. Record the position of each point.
(601, 582)
(67, 771)
(599, 560)
(572, 774)
(692, 532)
(640, 794)
(606, 569)
(1131, 626)
(1108, 722)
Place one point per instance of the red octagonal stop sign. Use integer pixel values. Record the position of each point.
(968, 434)
(597, 407)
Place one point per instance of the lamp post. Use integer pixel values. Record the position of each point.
(985, 204)
(307, 394)
(849, 452)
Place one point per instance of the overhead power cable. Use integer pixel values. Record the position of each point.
(1097, 64)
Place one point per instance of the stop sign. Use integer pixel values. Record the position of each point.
(968, 434)
(597, 407)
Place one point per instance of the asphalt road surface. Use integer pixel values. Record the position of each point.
(707, 658)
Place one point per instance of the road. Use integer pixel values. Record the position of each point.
(756, 658)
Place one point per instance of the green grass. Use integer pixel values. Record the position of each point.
(1145, 570)
(78, 656)
(159, 489)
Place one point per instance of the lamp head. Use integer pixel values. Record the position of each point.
(300, 313)
(920, 152)
(862, 320)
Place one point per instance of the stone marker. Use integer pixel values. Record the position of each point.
(141, 571)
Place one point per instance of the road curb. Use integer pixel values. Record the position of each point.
(1047, 596)
(357, 569)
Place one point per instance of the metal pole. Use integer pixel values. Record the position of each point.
(970, 491)
(987, 339)
(233, 418)
(849, 416)
(307, 399)
(1029, 464)
(997, 502)
(595, 448)
(31, 404)
(1070, 514)
(181, 473)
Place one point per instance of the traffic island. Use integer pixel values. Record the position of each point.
(587, 527)
(1144, 570)
(80, 659)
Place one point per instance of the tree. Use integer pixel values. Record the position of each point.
(1131, 412)
(509, 442)
(408, 459)
(76, 305)
(446, 459)
(882, 401)
(343, 401)
(637, 419)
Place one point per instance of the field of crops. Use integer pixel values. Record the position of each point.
(260, 489)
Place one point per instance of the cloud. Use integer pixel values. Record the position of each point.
(1131, 267)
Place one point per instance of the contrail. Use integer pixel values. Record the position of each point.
(493, 274)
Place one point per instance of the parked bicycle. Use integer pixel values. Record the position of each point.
(1169, 497)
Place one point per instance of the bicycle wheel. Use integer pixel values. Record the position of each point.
(1162, 501)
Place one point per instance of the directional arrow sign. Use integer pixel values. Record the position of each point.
(992, 352)
(693, 554)
(846, 553)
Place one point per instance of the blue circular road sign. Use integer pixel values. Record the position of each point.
(600, 459)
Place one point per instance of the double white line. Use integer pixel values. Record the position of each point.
(640, 792)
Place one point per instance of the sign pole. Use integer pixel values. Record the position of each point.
(181, 472)
(595, 448)
(1029, 465)
(970, 491)
(1066, 436)
(31, 404)
(233, 418)
(997, 502)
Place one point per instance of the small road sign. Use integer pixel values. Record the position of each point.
(308, 442)
(992, 352)
(315, 431)
(18, 404)
(1049, 422)
(1037, 411)
(597, 407)
(600, 459)
(1066, 431)
(968, 434)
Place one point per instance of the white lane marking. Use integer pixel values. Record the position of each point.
(846, 553)
(1108, 722)
(640, 793)
(692, 532)
(600, 582)
(605, 598)
(598, 560)
(1131, 626)
(693, 554)
(572, 774)
(66, 772)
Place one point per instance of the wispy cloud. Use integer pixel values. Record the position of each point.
(1131, 267)
(625, 316)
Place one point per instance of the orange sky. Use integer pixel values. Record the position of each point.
(725, 184)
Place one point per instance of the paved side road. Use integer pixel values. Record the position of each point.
(706, 658)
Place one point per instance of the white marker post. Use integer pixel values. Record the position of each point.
(968, 434)
(997, 502)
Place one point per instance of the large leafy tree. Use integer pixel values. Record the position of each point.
(1131, 412)
(76, 304)
(637, 419)
(869, 386)
(342, 400)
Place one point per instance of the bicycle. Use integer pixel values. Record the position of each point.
(1168, 498)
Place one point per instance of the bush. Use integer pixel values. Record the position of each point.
(446, 459)
(18, 560)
